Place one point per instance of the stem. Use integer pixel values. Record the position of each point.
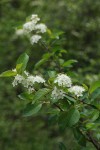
(90, 105)
(89, 138)
(93, 141)
(58, 107)
(45, 46)
(84, 102)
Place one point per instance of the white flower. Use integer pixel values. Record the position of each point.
(30, 89)
(18, 79)
(19, 32)
(39, 79)
(29, 81)
(41, 27)
(28, 26)
(35, 39)
(14, 70)
(77, 90)
(57, 93)
(35, 18)
(63, 80)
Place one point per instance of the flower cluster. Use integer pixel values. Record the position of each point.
(18, 79)
(76, 90)
(64, 81)
(61, 82)
(57, 93)
(27, 81)
(35, 39)
(33, 28)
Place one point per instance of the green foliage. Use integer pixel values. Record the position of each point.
(43, 60)
(8, 73)
(80, 22)
(69, 118)
(26, 96)
(94, 86)
(32, 109)
(40, 94)
(62, 146)
(22, 63)
(68, 63)
(79, 137)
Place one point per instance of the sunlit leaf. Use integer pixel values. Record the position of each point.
(8, 73)
(69, 63)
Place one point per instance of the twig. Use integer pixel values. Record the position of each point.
(89, 136)
(45, 46)
(93, 141)
(58, 107)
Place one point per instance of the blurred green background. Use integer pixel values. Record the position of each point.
(80, 20)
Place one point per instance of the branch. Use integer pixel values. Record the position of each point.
(45, 46)
(82, 101)
(93, 141)
(58, 107)
(89, 135)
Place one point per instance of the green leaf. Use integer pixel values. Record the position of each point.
(79, 137)
(65, 105)
(91, 126)
(47, 55)
(52, 74)
(70, 99)
(44, 59)
(85, 86)
(73, 117)
(62, 146)
(8, 73)
(70, 118)
(40, 94)
(49, 32)
(18, 67)
(31, 109)
(54, 111)
(63, 51)
(94, 115)
(58, 49)
(56, 35)
(61, 61)
(94, 86)
(96, 104)
(22, 62)
(39, 63)
(26, 96)
(69, 63)
(95, 94)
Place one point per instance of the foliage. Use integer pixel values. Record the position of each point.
(79, 20)
(72, 105)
